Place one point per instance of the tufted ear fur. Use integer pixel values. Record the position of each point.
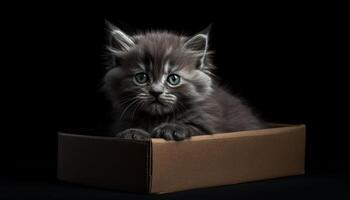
(119, 42)
(199, 45)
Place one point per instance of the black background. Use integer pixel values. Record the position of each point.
(287, 62)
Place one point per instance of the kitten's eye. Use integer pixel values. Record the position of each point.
(141, 78)
(174, 79)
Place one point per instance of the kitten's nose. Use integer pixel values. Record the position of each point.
(156, 90)
(155, 93)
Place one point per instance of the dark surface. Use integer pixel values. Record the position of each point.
(287, 61)
(316, 185)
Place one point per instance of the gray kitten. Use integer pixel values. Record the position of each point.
(161, 86)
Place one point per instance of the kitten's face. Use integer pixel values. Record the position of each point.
(157, 73)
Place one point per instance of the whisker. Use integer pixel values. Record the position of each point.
(138, 105)
(132, 103)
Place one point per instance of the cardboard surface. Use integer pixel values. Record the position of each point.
(229, 158)
(160, 166)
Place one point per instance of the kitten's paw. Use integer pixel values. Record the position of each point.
(170, 131)
(134, 133)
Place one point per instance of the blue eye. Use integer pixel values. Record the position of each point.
(141, 78)
(174, 79)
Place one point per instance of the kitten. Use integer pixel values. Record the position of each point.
(161, 86)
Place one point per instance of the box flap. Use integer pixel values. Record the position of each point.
(104, 161)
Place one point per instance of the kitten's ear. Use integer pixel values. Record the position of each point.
(199, 44)
(119, 42)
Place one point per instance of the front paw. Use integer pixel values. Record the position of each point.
(170, 131)
(134, 133)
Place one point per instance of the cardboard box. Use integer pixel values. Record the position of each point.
(160, 166)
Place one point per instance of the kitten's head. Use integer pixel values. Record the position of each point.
(157, 72)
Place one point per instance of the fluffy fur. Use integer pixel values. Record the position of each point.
(156, 108)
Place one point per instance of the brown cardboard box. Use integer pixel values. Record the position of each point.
(160, 166)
